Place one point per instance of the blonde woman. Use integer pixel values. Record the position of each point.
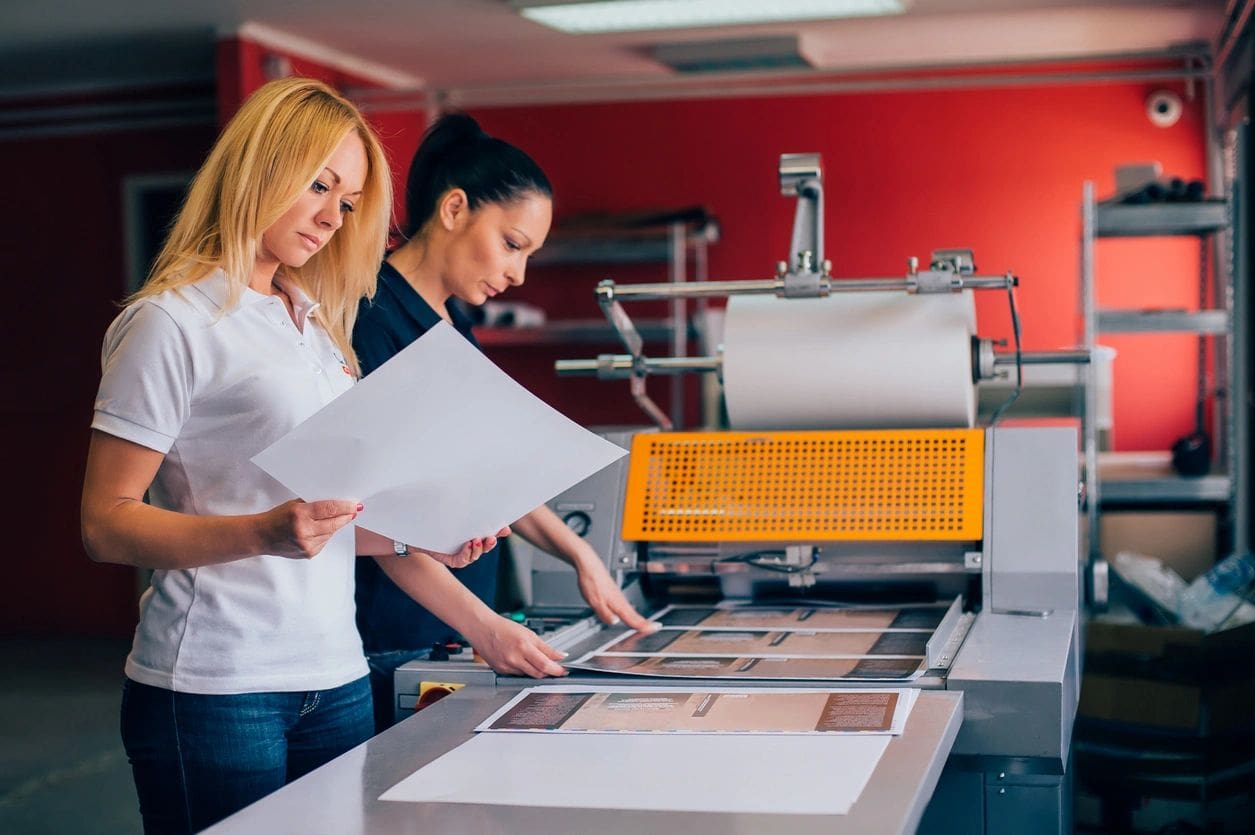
(246, 669)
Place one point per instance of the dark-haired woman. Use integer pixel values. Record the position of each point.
(477, 207)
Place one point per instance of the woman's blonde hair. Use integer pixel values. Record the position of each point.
(270, 152)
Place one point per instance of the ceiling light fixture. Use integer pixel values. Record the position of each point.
(774, 52)
(592, 16)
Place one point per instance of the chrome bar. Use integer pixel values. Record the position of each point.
(679, 317)
(1044, 358)
(620, 366)
(948, 636)
(608, 291)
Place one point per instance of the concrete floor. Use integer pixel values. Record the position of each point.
(62, 767)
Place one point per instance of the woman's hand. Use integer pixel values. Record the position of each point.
(606, 598)
(299, 530)
(118, 527)
(470, 552)
(512, 648)
(546, 531)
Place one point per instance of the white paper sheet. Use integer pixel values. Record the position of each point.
(439, 444)
(780, 775)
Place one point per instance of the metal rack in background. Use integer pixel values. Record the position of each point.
(679, 238)
(1212, 222)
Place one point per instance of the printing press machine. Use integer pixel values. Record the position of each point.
(982, 521)
(1013, 651)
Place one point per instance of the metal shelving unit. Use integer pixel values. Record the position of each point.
(1210, 322)
(1158, 486)
(1166, 490)
(677, 239)
(1156, 220)
(651, 245)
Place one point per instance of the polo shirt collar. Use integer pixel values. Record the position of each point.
(215, 287)
(415, 305)
(302, 305)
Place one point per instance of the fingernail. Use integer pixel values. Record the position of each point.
(360, 508)
(562, 654)
(616, 620)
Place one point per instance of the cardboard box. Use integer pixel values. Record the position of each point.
(1170, 677)
(1185, 541)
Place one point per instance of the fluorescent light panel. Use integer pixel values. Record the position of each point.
(592, 16)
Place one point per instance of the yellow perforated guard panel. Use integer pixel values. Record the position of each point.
(918, 484)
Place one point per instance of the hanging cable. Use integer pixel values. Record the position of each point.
(1019, 359)
(771, 560)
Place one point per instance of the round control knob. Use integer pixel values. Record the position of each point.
(578, 521)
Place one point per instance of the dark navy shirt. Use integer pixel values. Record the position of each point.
(388, 618)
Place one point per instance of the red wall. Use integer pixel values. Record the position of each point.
(998, 170)
(241, 69)
(65, 267)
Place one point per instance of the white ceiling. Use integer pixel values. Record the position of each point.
(481, 49)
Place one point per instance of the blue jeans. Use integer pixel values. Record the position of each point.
(383, 667)
(197, 758)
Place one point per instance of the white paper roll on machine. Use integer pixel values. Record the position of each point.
(866, 360)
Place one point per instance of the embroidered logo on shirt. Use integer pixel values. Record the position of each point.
(344, 366)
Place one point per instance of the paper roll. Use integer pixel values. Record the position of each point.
(850, 361)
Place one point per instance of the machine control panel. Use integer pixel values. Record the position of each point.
(578, 521)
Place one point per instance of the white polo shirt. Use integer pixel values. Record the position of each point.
(209, 390)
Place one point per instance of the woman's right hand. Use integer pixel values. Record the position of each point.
(512, 648)
(299, 530)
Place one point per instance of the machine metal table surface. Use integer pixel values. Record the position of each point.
(342, 797)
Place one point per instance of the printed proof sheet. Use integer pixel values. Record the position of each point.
(921, 618)
(439, 444)
(754, 642)
(807, 772)
(757, 710)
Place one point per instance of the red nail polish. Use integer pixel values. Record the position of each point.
(360, 508)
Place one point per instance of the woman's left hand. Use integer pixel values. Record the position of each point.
(471, 551)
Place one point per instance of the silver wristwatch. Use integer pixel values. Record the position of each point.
(400, 548)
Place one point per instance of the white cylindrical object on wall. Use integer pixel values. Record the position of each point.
(850, 361)
(1163, 108)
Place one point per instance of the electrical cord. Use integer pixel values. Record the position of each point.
(1019, 363)
(758, 560)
